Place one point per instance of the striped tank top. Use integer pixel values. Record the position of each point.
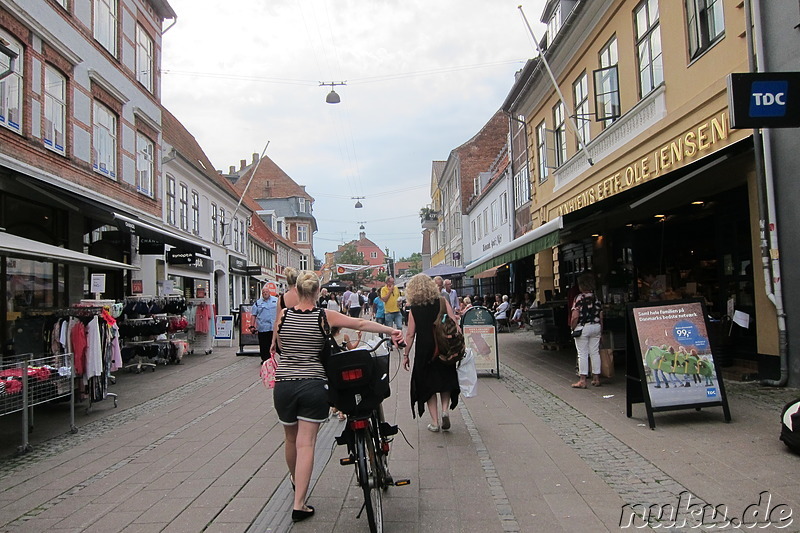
(301, 341)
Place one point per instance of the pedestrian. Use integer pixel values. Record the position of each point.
(373, 294)
(430, 376)
(264, 311)
(354, 309)
(300, 395)
(287, 299)
(380, 311)
(451, 295)
(467, 301)
(345, 301)
(333, 303)
(323, 298)
(390, 294)
(586, 320)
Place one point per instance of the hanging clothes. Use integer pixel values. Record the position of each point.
(77, 341)
(203, 318)
(94, 350)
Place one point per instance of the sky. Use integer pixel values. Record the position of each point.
(421, 78)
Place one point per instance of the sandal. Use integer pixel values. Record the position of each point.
(579, 385)
(434, 428)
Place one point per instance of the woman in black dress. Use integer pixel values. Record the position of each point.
(429, 376)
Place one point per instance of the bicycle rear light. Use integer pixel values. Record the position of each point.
(359, 424)
(352, 374)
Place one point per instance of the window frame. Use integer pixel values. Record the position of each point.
(580, 96)
(214, 223)
(699, 25)
(606, 84)
(302, 233)
(145, 56)
(55, 110)
(541, 152)
(559, 133)
(142, 154)
(183, 212)
(105, 124)
(170, 200)
(108, 16)
(504, 208)
(301, 202)
(647, 39)
(522, 187)
(195, 212)
(17, 77)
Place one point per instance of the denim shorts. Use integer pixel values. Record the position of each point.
(301, 399)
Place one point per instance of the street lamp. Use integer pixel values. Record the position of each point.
(358, 201)
(333, 96)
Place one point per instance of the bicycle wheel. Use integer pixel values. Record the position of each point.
(368, 479)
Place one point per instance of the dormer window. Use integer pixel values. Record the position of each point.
(553, 25)
(302, 202)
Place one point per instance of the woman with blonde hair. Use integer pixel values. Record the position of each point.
(300, 395)
(287, 299)
(430, 376)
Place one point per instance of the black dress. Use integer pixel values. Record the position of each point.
(429, 375)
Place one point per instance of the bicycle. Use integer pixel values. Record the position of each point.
(358, 382)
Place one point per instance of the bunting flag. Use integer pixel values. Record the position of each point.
(350, 269)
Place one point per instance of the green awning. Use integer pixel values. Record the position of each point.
(544, 237)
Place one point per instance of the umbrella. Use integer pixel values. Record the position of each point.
(444, 270)
(335, 285)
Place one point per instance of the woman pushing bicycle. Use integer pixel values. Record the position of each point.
(300, 395)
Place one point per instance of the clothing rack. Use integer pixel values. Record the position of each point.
(97, 385)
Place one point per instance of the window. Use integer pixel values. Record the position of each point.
(559, 134)
(105, 24)
(504, 208)
(144, 59)
(302, 233)
(302, 202)
(170, 200)
(105, 141)
(11, 86)
(373, 255)
(184, 214)
(580, 93)
(195, 213)
(476, 185)
(706, 24)
(214, 224)
(474, 232)
(553, 25)
(145, 163)
(486, 221)
(606, 85)
(303, 262)
(55, 109)
(541, 151)
(522, 187)
(241, 235)
(480, 226)
(225, 233)
(495, 215)
(63, 3)
(235, 233)
(648, 46)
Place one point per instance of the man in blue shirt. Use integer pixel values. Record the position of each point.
(264, 311)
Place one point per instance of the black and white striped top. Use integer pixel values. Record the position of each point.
(301, 341)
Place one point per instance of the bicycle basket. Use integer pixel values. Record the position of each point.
(358, 381)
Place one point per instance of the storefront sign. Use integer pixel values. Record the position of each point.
(237, 265)
(480, 336)
(150, 246)
(680, 151)
(675, 359)
(137, 286)
(98, 283)
(248, 334)
(223, 327)
(764, 99)
(178, 257)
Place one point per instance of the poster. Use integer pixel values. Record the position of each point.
(677, 359)
(480, 336)
(223, 327)
(248, 334)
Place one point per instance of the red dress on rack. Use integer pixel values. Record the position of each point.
(202, 318)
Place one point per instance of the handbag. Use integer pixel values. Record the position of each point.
(468, 375)
(329, 347)
(268, 369)
(577, 332)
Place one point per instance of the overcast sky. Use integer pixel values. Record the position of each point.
(423, 76)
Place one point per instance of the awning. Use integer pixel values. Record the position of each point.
(22, 247)
(444, 270)
(135, 226)
(492, 272)
(541, 238)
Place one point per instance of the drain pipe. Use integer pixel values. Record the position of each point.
(768, 231)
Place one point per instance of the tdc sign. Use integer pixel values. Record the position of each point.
(764, 99)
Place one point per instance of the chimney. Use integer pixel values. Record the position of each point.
(255, 158)
(362, 235)
(232, 169)
(243, 162)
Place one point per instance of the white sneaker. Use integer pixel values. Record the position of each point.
(433, 427)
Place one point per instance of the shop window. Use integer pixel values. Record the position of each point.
(11, 85)
(105, 24)
(706, 25)
(105, 141)
(648, 46)
(55, 109)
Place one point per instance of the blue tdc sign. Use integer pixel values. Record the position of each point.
(711, 392)
(764, 99)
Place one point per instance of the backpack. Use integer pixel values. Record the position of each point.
(450, 346)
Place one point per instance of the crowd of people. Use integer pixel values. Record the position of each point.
(292, 329)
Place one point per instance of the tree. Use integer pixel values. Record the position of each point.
(416, 263)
